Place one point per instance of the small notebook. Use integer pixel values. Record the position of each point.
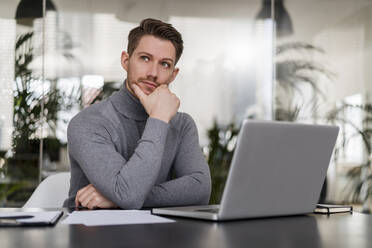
(331, 209)
(29, 218)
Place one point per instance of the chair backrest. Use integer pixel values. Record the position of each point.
(51, 192)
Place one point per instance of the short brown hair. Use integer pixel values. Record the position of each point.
(158, 29)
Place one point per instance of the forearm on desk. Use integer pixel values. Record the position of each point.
(192, 189)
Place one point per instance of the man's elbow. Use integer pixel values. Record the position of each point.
(130, 202)
(207, 191)
(131, 205)
(127, 197)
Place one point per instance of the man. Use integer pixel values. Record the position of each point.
(134, 149)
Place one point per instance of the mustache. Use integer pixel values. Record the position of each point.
(150, 80)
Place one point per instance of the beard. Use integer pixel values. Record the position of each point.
(147, 85)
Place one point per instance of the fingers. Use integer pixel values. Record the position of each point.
(178, 102)
(77, 200)
(163, 88)
(83, 196)
(99, 201)
(89, 197)
(141, 96)
(94, 202)
(84, 200)
(79, 193)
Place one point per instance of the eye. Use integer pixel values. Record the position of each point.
(165, 64)
(145, 58)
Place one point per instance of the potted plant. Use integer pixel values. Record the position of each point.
(219, 152)
(31, 108)
(293, 74)
(359, 185)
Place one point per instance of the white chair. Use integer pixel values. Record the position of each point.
(51, 192)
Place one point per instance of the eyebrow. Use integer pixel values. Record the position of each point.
(150, 55)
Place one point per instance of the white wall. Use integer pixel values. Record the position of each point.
(343, 29)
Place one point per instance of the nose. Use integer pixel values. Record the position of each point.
(152, 71)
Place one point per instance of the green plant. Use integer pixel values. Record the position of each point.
(8, 189)
(292, 76)
(359, 185)
(34, 109)
(28, 114)
(219, 155)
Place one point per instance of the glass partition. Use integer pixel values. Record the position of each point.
(22, 94)
(289, 60)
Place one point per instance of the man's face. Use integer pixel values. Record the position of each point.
(151, 64)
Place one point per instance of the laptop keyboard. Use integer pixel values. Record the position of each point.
(210, 210)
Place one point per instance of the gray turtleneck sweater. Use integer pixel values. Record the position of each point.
(134, 160)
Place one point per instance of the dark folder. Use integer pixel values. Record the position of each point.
(45, 218)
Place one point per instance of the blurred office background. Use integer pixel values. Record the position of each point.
(291, 60)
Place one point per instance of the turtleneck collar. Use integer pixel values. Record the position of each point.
(128, 105)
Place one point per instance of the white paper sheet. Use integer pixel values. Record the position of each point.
(114, 217)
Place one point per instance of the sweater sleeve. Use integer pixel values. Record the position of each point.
(126, 183)
(192, 185)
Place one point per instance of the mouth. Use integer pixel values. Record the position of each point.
(149, 84)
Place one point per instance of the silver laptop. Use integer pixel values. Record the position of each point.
(278, 169)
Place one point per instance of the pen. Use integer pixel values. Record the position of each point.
(16, 217)
(79, 207)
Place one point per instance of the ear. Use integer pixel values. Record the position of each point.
(174, 74)
(124, 60)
